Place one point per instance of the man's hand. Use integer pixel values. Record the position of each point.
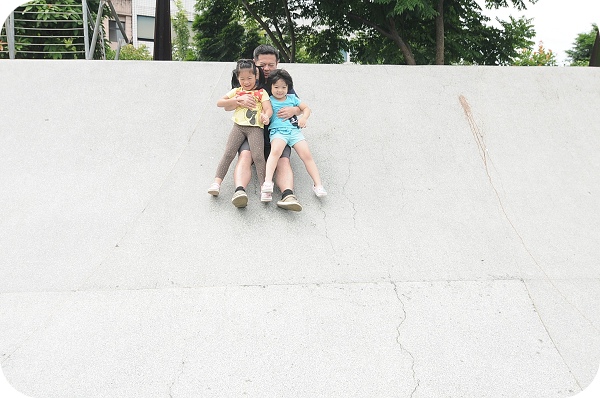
(301, 122)
(246, 101)
(287, 112)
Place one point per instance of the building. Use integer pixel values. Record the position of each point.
(137, 16)
(124, 11)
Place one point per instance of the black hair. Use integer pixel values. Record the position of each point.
(280, 74)
(266, 49)
(247, 64)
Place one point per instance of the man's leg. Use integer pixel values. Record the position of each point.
(284, 178)
(243, 171)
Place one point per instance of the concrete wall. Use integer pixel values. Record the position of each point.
(456, 254)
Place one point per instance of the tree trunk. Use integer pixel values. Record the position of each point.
(439, 34)
(408, 55)
(395, 36)
(290, 25)
(283, 52)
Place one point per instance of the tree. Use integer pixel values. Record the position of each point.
(582, 47)
(279, 19)
(486, 45)
(426, 31)
(324, 46)
(379, 31)
(61, 17)
(222, 33)
(129, 53)
(529, 57)
(182, 51)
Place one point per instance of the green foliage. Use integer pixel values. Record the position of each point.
(488, 45)
(368, 47)
(581, 52)
(529, 57)
(320, 47)
(182, 51)
(399, 7)
(374, 31)
(404, 31)
(221, 34)
(34, 21)
(130, 53)
(518, 4)
(279, 21)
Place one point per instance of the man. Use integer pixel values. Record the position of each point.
(267, 57)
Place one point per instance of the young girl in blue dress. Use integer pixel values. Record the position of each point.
(287, 132)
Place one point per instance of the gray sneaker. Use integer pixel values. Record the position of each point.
(240, 199)
(290, 203)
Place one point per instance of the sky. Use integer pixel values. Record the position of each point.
(556, 22)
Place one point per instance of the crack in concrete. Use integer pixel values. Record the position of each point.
(414, 376)
(176, 377)
(550, 336)
(183, 361)
(483, 153)
(61, 306)
(348, 198)
(327, 230)
(129, 226)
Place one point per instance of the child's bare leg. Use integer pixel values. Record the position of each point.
(301, 148)
(277, 146)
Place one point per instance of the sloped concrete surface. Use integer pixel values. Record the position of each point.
(456, 254)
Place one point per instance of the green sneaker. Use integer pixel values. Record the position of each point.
(290, 203)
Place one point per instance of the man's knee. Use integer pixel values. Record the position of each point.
(284, 171)
(284, 163)
(245, 157)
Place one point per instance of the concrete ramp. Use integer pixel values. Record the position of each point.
(456, 255)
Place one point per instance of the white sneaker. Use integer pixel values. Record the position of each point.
(267, 187)
(214, 189)
(319, 191)
(266, 196)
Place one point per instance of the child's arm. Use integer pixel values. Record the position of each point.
(267, 112)
(228, 103)
(244, 101)
(305, 114)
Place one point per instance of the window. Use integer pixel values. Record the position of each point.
(145, 28)
(114, 33)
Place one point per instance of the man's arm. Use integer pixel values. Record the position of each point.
(289, 111)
